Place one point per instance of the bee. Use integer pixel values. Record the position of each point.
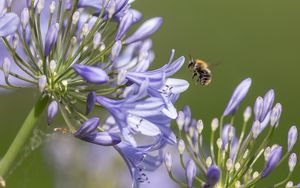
(201, 70)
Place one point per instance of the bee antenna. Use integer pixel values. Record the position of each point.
(191, 57)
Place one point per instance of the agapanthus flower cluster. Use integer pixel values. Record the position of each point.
(79, 56)
(230, 158)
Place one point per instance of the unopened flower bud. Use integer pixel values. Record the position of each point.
(214, 124)
(199, 126)
(52, 66)
(255, 175)
(190, 172)
(247, 114)
(168, 161)
(256, 129)
(75, 17)
(180, 120)
(292, 161)
(237, 166)
(292, 137)
(24, 18)
(6, 67)
(229, 164)
(42, 83)
(181, 146)
(219, 143)
(208, 161)
(52, 111)
(272, 161)
(52, 6)
(40, 6)
(112, 8)
(97, 40)
(289, 184)
(85, 29)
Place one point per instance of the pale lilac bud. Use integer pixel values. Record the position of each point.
(24, 17)
(51, 38)
(91, 74)
(180, 120)
(272, 161)
(213, 175)
(42, 83)
(75, 17)
(52, 6)
(52, 111)
(292, 137)
(258, 106)
(97, 40)
(237, 97)
(275, 114)
(190, 172)
(181, 146)
(116, 49)
(268, 103)
(214, 124)
(90, 101)
(6, 67)
(292, 161)
(145, 31)
(247, 114)
(256, 129)
(168, 160)
(40, 6)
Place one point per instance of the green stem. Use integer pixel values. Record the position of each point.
(22, 136)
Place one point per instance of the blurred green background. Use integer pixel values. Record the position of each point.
(257, 39)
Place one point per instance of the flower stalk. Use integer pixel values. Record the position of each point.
(22, 136)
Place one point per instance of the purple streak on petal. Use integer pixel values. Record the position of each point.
(102, 138)
(90, 101)
(272, 161)
(225, 134)
(88, 127)
(292, 137)
(51, 38)
(237, 97)
(52, 111)
(91, 74)
(9, 23)
(145, 30)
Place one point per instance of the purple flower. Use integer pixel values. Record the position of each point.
(145, 30)
(212, 176)
(91, 74)
(292, 137)
(237, 97)
(272, 161)
(52, 111)
(190, 172)
(88, 132)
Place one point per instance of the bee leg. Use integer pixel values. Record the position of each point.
(195, 74)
